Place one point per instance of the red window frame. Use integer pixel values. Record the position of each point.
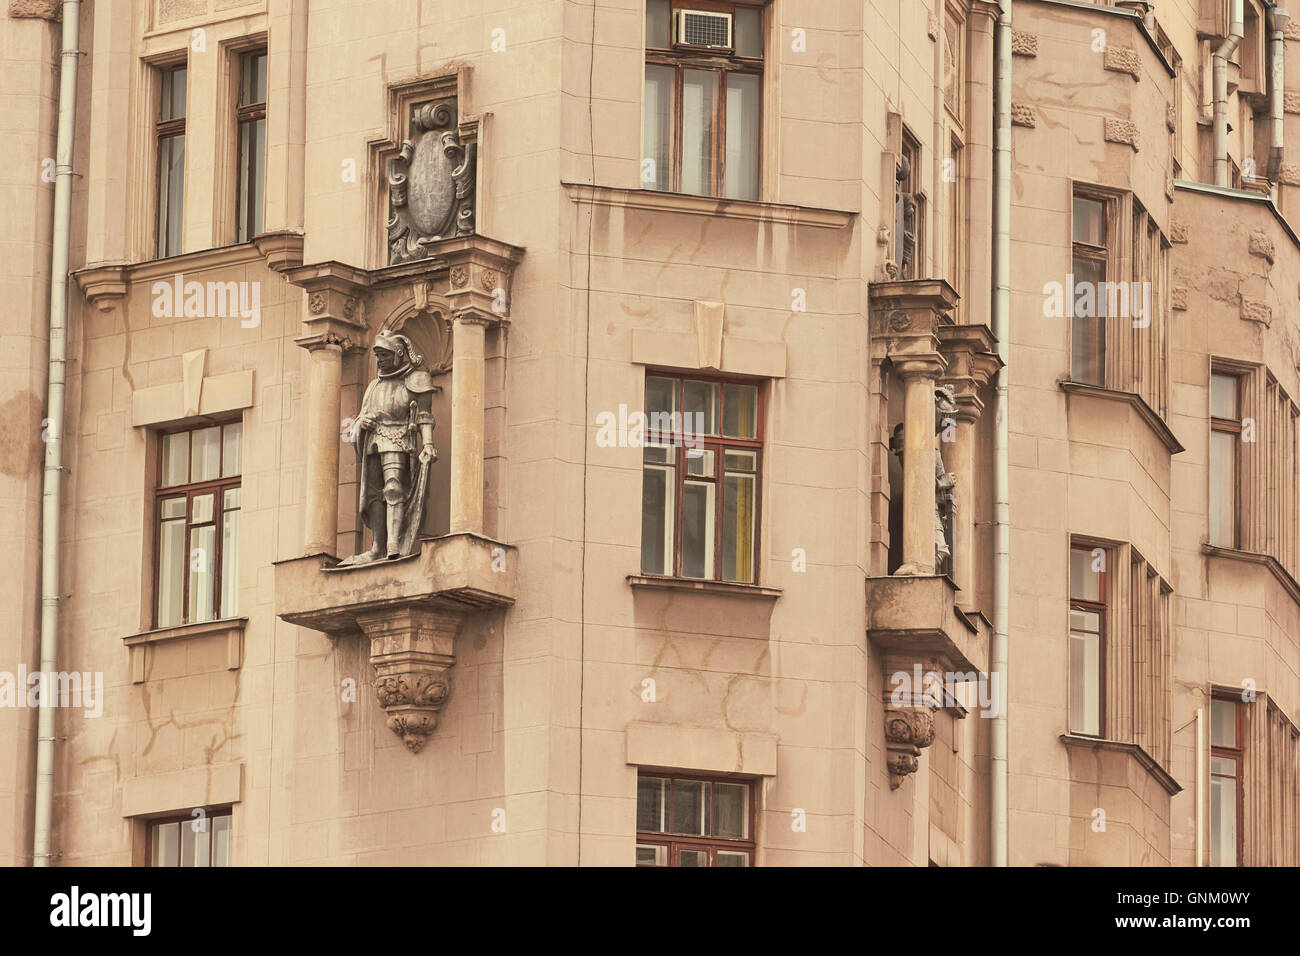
(1098, 607)
(677, 842)
(209, 815)
(1237, 755)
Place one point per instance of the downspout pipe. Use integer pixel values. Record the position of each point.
(1220, 69)
(998, 650)
(1278, 18)
(51, 496)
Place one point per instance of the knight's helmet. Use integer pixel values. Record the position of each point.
(400, 344)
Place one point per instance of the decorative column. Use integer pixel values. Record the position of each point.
(467, 379)
(972, 361)
(919, 374)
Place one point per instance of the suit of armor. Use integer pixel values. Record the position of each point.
(393, 436)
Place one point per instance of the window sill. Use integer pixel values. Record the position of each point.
(232, 628)
(1144, 759)
(1138, 403)
(664, 583)
(653, 200)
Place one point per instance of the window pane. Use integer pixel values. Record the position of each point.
(699, 461)
(205, 454)
(657, 25)
(175, 459)
(171, 569)
(656, 129)
(220, 840)
(749, 31)
(693, 858)
(700, 402)
(743, 96)
(173, 94)
(697, 529)
(738, 528)
(1223, 396)
(171, 194)
(1088, 326)
(650, 804)
(188, 840)
(1223, 489)
(651, 855)
(732, 858)
(202, 564)
(731, 811)
(737, 460)
(165, 850)
(1223, 821)
(1089, 221)
(1085, 574)
(201, 509)
(202, 841)
(1223, 723)
(231, 435)
(252, 85)
(1085, 683)
(739, 410)
(252, 159)
(230, 563)
(172, 507)
(690, 806)
(660, 394)
(699, 101)
(657, 496)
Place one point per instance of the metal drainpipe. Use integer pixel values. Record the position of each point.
(1278, 18)
(1229, 45)
(1001, 439)
(51, 498)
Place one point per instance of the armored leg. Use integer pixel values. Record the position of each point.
(395, 491)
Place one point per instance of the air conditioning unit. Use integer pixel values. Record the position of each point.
(703, 28)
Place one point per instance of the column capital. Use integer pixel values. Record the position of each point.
(473, 316)
(921, 365)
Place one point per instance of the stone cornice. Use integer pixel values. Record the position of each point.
(1284, 578)
(651, 200)
(1144, 759)
(1148, 414)
(693, 585)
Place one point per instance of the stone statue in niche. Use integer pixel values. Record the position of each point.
(430, 185)
(945, 482)
(393, 436)
(904, 221)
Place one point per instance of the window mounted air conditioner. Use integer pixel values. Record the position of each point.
(703, 28)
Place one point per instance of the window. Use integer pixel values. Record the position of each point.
(197, 508)
(909, 211)
(1225, 436)
(1227, 753)
(954, 201)
(703, 96)
(1141, 308)
(191, 840)
(1087, 295)
(702, 461)
(251, 117)
(170, 130)
(690, 821)
(1087, 639)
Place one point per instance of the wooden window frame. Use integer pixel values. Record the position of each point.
(246, 113)
(676, 842)
(912, 184)
(1106, 255)
(718, 445)
(1101, 608)
(165, 129)
(190, 491)
(209, 814)
(687, 58)
(1237, 755)
(1231, 426)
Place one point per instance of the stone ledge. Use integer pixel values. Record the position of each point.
(1144, 759)
(652, 200)
(701, 749)
(157, 794)
(1284, 578)
(917, 616)
(454, 572)
(695, 585)
(231, 628)
(1148, 414)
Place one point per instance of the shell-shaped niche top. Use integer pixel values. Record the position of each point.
(430, 184)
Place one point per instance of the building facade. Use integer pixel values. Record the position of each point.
(651, 431)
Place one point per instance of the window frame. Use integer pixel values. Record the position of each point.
(676, 842)
(1106, 255)
(1237, 755)
(718, 445)
(245, 114)
(1100, 607)
(687, 58)
(168, 129)
(190, 490)
(209, 815)
(1233, 427)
